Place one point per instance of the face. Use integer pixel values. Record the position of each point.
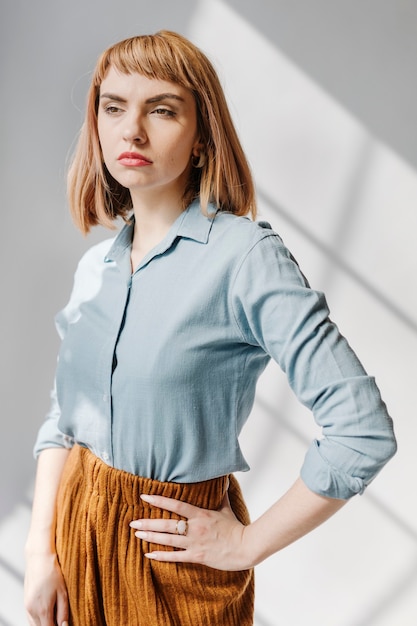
(148, 134)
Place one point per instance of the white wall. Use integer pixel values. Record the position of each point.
(344, 202)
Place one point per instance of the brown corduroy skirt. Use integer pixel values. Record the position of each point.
(110, 582)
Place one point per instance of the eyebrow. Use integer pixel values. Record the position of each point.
(159, 98)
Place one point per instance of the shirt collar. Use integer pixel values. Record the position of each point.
(195, 224)
(121, 242)
(190, 224)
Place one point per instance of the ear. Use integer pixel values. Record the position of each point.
(198, 147)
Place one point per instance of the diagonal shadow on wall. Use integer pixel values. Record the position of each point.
(363, 53)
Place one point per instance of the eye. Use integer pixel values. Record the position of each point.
(163, 112)
(112, 109)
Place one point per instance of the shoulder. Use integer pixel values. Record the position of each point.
(95, 255)
(250, 242)
(259, 254)
(242, 233)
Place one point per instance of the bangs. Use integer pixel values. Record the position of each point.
(150, 55)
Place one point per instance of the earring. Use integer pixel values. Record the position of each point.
(200, 161)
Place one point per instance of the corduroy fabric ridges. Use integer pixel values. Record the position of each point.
(110, 582)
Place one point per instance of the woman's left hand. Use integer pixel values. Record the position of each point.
(212, 538)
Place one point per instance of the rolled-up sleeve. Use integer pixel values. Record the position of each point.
(276, 310)
(49, 435)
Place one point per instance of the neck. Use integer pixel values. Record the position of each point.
(154, 217)
(153, 206)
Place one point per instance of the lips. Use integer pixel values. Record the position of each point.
(133, 159)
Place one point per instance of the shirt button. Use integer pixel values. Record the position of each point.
(105, 456)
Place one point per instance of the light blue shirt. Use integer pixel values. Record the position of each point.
(157, 369)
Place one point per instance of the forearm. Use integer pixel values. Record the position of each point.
(294, 515)
(50, 465)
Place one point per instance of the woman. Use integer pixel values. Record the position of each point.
(137, 517)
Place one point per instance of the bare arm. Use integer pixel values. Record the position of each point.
(298, 512)
(45, 590)
(217, 539)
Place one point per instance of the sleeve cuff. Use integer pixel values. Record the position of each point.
(325, 480)
(50, 437)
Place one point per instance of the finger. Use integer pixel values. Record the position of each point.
(31, 620)
(178, 556)
(226, 507)
(157, 525)
(163, 539)
(170, 504)
(50, 620)
(62, 613)
(225, 502)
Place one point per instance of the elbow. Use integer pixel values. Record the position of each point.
(383, 449)
(389, 449)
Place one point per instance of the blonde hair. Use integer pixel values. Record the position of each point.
(95, 197)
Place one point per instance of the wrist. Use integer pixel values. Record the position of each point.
(45, 557)
(251, 549)
(40, 543)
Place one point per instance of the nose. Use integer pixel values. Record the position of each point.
(134, 130)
